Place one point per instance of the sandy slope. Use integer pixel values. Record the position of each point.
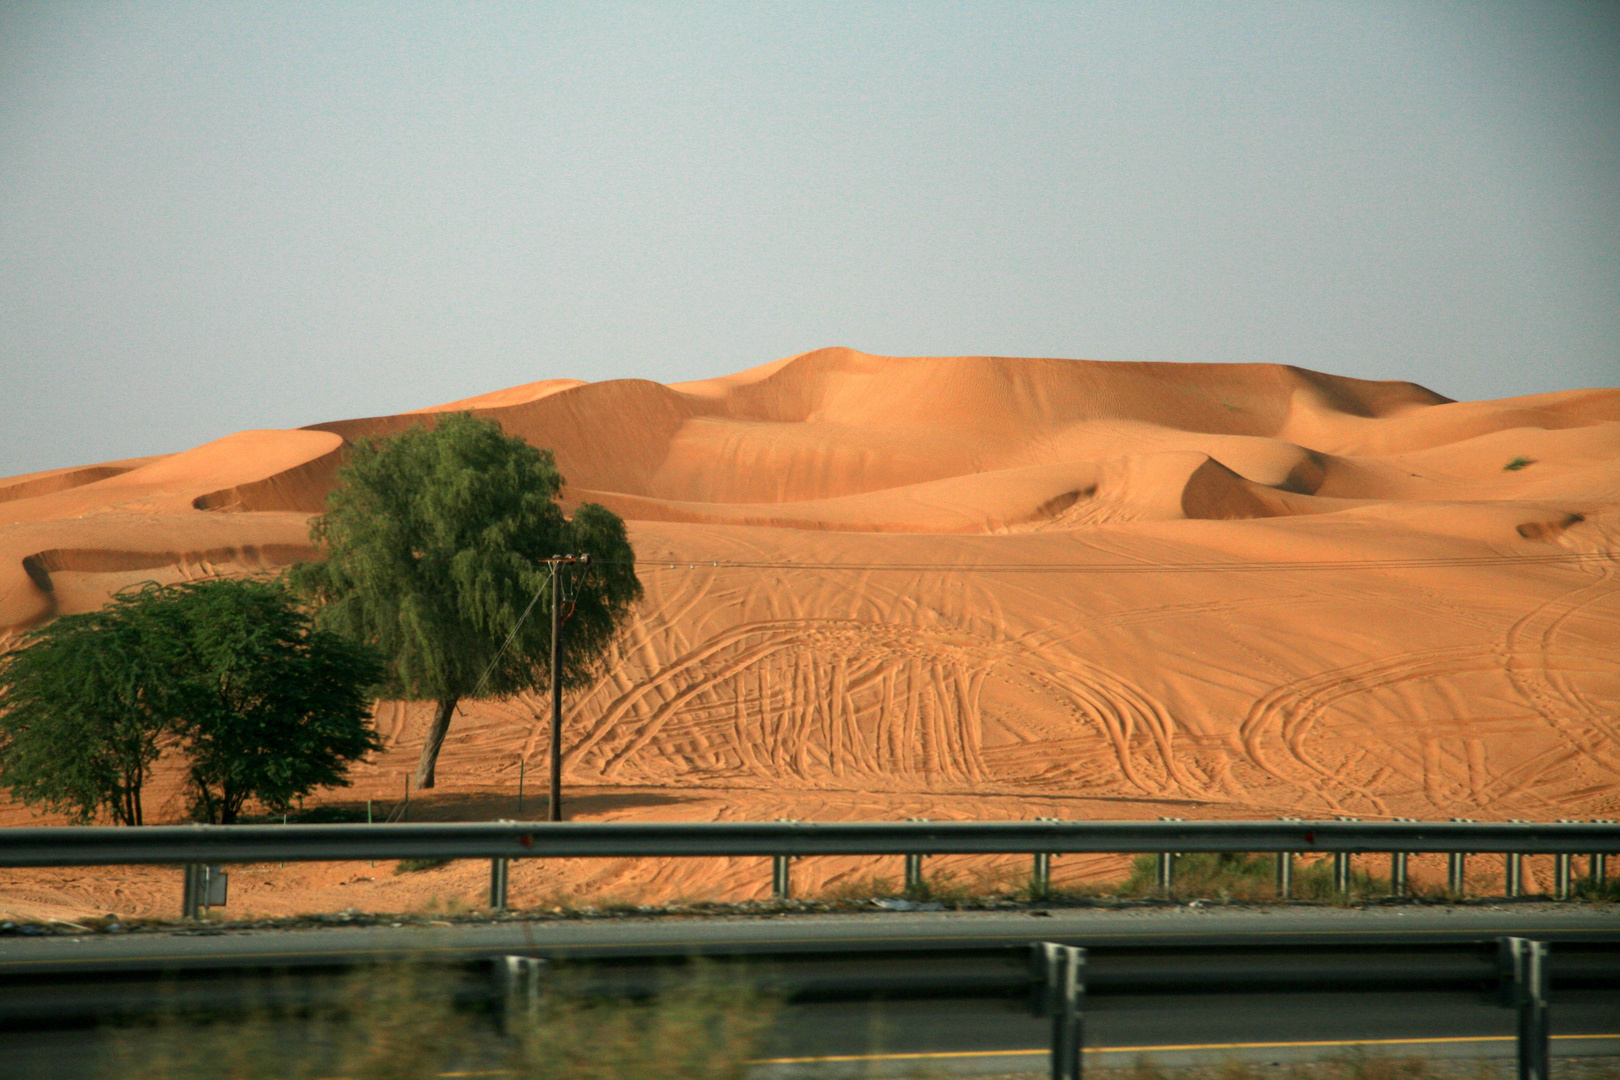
(986, 587)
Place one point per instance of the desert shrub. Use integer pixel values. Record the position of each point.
(1215, 875)
(1230, 875)
(941, 887)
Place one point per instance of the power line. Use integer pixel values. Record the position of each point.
(1139, 567)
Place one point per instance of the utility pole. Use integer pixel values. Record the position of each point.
(558, 587)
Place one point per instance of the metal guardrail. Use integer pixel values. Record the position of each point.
(1055, 979)
(783, 840)
(1522, 985)
(111, 846)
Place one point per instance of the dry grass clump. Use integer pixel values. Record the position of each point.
(1246, 877)
(400, 1022)
(707, 1029)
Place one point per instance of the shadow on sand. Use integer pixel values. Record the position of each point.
(496, 805)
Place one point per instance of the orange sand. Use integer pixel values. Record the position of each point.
(992, 588)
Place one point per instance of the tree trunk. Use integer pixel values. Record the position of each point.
(435, 739)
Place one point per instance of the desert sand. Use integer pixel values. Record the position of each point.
(963, 587)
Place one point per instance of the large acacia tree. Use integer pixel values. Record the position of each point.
(435, 540)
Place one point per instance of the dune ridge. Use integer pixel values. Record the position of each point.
(869, 585)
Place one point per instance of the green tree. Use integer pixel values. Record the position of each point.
(77, 735)
(435, 539)
(230, 672)
(271, 708)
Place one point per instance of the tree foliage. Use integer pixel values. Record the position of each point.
(230, 672)
(435, 539)
(77, 734)
(273, 707)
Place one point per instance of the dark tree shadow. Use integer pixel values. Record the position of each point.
(484, 806)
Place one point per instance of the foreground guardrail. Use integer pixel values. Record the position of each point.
(1054, 979)
(1522, 974)
(210, 845)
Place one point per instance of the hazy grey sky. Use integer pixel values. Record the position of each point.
(224, 215)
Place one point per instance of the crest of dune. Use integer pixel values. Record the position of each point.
(999, 587)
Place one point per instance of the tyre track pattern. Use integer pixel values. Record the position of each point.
(1451, 770)
(803, 702)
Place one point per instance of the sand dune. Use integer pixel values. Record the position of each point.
(981, 586)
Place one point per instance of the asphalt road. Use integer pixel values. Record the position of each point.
(966, 1034)
(1072, 926)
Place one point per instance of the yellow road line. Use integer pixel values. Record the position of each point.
(948, 1054)
(1319, 1045)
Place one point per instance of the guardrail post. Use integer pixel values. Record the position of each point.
(1522, 964)
(1064, 987)
(1341, 867)
(1513, 868)
(1285, 870)
(1561, 868)
(191, 889)
(497, 883)
(914, 874)
(1598, 864)
(1167, 866)
(781, 871)
(1457, 866)
(517, 984)
(781, 877)
(1040, 875)
(1397, 867)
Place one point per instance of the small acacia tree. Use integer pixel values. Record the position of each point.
(77, 733)
(273, 707)
(230, 672)
(435, 539)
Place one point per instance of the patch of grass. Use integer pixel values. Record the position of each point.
(1358, 1063)
(940, 888)
(412, 866)
(1586, 889)
(1518, 463)
(1207, 875)
(706, 1027)
(1243, 877)
(400, 1022)
(1355, 1064)
(395, 1023)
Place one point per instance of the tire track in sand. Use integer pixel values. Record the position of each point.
(871, 699)
(1528, 651)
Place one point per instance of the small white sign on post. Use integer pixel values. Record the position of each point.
(215, 883)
